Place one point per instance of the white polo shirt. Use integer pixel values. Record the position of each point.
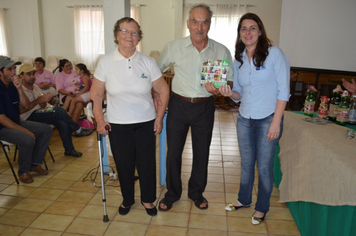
(128, 84)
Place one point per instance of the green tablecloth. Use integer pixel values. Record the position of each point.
(319, 220)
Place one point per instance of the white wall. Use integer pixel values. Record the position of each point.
(160, 23)
(319, 33)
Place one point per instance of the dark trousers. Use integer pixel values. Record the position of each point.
(200, 118)
(135, 145)
(31, 151)
(62, 121)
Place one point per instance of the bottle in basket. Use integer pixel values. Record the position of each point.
(352, 112)
(343, 110)
(323, 107)
(309, 104)
(334, 103)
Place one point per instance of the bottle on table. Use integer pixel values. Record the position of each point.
(352, 112)
(343, 110)
(309, 104)
(334, 103)
(323, 107)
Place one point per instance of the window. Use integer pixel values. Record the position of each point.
(223, 28)
(4, 45)
(89, 34)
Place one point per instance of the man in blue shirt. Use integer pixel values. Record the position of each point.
(31, 137)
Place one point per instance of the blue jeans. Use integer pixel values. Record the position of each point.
(254, 147)
(62, 121)
(31, 151)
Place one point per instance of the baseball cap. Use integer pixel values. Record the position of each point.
(26, 68)
(7, 62)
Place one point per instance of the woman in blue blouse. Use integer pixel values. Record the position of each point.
(261, 83)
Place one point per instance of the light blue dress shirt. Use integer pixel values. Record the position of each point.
(261, 87)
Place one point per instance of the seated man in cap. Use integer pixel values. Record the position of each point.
(31, 137)
(56, 116)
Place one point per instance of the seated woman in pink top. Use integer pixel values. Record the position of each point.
(66, 84)
(82, 94)
(45, 79)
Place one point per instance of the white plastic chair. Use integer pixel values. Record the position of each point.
(51, 63)
(7, 144)
(28, 61)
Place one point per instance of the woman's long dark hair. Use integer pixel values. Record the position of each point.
(263, 43)
(61, 64)
(84, 68)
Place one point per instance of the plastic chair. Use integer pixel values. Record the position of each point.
(51, 63)
(7, 144)
(28, 61)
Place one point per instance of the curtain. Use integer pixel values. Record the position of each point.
(89, 34)
(223, 28)
(4, 35)
(135, 14)
(224, 24)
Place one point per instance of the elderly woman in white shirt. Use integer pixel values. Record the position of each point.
(128, 76)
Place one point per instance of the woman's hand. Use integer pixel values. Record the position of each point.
(158, 125)
(103, 127)
(273, 131)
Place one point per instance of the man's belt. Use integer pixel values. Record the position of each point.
(191, 100)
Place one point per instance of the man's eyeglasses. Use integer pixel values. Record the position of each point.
(125, 32)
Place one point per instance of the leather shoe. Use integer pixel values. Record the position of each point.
(83, 132)
(124, 210)
(39, 170)
(73, 153)
(26, 178)
(150, 211)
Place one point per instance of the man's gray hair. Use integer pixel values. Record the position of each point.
(201, 5)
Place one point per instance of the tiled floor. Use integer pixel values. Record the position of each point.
(62, 204)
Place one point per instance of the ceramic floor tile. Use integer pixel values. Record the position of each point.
(65, 208)
(46, 193)
(97, 212)
(52, 222)
(18, 190)
(215, 170)
(244, 225)
(215, 178)
(78, 197)
(57, 184)
(156, 230)
(3, 211)
(11, 230)
(87, 226)
(76, 168)
(68, 175)
(181, 206)
(114, 200)
(283, 227)
(84, 187)
(171, 219)
(3, 186)
(279, 213)
(9, 201)
(124, 229)
(215, 187)
(7, 179)
(19, 218)
(134, 216)
(213, 222)
(214, 197)
(40, 232)
(200, 232)
(214, 209)
(232, 233)
(32, 204)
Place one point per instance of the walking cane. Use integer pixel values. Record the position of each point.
(101, 154)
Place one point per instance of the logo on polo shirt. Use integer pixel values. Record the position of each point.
(143, 76)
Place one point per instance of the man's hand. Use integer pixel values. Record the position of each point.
(45, 97)
(211, 89)
(17, 81)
